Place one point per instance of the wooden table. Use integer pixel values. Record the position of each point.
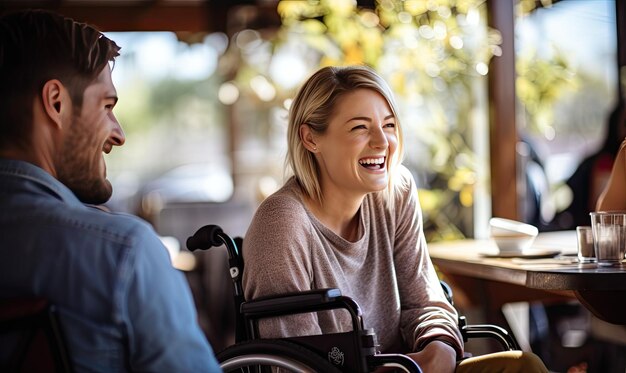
(493, 281)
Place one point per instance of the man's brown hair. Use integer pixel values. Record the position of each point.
(37, 46)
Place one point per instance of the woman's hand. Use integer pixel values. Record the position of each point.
(436, 357)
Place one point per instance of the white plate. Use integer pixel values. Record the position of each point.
(534, 254)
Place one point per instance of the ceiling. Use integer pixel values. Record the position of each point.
(158, 15)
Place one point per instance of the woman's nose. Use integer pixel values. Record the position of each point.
(378, 139)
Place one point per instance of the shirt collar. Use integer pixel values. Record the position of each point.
(34, 174)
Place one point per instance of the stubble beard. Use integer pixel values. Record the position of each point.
(78, 170)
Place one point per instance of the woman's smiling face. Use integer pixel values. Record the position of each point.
(360, 141)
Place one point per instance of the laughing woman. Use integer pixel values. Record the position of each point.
(349, 218)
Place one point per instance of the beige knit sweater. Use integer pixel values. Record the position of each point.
(387, 270)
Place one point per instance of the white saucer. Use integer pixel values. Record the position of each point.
(530, 254)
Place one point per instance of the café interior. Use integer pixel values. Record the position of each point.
(507, 108)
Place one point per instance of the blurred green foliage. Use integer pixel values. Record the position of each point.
(539, 84)
(542, 81)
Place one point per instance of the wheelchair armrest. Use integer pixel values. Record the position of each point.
(393, 361)
(498, 333)
(302, 302)
(281, 302)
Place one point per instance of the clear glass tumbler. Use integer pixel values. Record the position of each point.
(609, 237)
(586, 251)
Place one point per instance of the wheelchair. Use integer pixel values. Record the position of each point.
(31, 339)
(353, 351)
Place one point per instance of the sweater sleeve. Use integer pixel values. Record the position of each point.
(425, 313)
(277, 260)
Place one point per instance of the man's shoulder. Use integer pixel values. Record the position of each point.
(80, 223)
(109, 225)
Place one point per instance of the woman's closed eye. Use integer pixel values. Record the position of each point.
(359, 127)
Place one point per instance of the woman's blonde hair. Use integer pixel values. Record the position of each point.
(314, 106)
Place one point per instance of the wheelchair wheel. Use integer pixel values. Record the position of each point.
(253, 356)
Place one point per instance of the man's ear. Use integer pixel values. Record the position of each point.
(56, 101)
(308, 138)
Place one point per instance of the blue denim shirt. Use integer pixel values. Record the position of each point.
(123, 307)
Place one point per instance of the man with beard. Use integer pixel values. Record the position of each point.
(122, 305)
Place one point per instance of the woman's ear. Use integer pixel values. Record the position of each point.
(55, 100)
(308, 138)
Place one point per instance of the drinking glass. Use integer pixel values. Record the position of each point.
(609, 237)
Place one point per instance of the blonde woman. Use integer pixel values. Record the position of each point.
(349, 218)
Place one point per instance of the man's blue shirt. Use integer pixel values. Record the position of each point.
(123, 307)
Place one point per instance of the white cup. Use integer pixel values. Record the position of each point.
(609, 237)
(512, 236)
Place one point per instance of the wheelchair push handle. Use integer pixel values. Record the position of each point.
(205, 238)
(211, 236)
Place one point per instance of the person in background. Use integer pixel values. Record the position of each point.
(613, 197)
(122, 305)
(350, 219)
(599, 182)
(592, 175)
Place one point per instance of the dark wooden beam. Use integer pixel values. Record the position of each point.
(202, 16)
(502, 129)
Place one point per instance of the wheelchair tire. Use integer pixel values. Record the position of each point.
(273, 353)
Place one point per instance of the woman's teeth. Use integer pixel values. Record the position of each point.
(372, 162)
